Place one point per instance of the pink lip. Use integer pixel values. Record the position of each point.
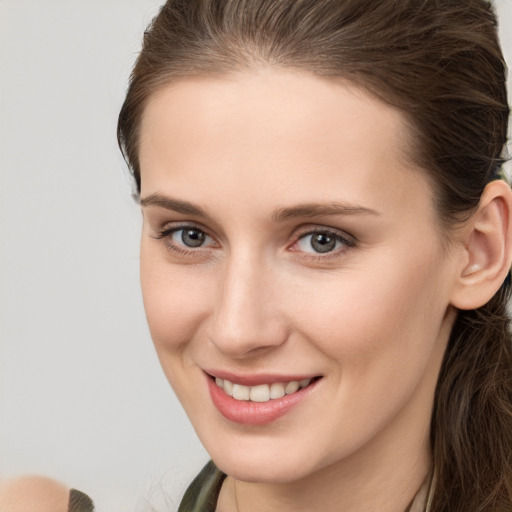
(255, 413)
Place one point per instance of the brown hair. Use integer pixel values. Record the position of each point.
(440, 63)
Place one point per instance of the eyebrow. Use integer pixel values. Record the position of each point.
(320, 210)
(280, 215)
(174, 205)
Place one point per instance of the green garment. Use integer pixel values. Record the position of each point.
(203, 493)
(79, 502)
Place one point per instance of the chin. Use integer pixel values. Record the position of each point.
(261, 460)
(268, 470)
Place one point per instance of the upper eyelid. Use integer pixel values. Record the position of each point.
(308, 230)
(176, 226)
(161, 219)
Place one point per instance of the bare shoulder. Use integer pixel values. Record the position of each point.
(34, 493)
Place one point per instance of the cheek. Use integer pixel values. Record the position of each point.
(380, 325)
(384, 341)
(174, 301)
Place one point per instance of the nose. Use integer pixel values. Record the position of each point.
(247, 316)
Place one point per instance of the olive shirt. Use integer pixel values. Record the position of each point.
(79, 502)
(203, 493)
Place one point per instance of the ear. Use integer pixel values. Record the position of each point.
(487, 252)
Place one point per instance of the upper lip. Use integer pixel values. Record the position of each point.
(257, 379)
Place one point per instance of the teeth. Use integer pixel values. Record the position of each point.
(262, 392)
(291, 387)
(277, 390)
(304, 383)
(228, 387)
(241, 392)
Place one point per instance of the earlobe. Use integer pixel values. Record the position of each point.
(487, 248)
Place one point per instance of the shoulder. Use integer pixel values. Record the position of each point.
(34, 493)
(41, 494)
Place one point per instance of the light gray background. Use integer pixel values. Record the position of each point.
(82, 397)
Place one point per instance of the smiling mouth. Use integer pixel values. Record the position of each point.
(262, 392)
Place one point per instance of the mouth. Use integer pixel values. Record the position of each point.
(258, 400)
(262, 392)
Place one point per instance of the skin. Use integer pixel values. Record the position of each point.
(34, 494)
(372, 316)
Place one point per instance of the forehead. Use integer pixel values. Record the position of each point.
(304, 136)
(289, 105)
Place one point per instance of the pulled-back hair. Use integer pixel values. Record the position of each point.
(440, 64)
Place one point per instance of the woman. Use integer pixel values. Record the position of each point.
(326, 247)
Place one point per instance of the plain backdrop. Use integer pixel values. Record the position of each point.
(82, 396)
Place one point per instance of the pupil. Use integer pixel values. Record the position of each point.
(192, 237)
(323, 242)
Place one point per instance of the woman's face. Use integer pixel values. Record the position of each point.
(286, 238)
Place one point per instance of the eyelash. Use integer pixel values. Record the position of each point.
(165, 235)
(347, 241)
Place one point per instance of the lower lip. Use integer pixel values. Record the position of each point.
(255, 413)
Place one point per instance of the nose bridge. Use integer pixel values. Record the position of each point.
(246, 315)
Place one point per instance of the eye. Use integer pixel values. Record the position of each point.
(190, 237)
(322, 242)
(186, 239)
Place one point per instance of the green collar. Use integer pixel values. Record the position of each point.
(203, 493)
